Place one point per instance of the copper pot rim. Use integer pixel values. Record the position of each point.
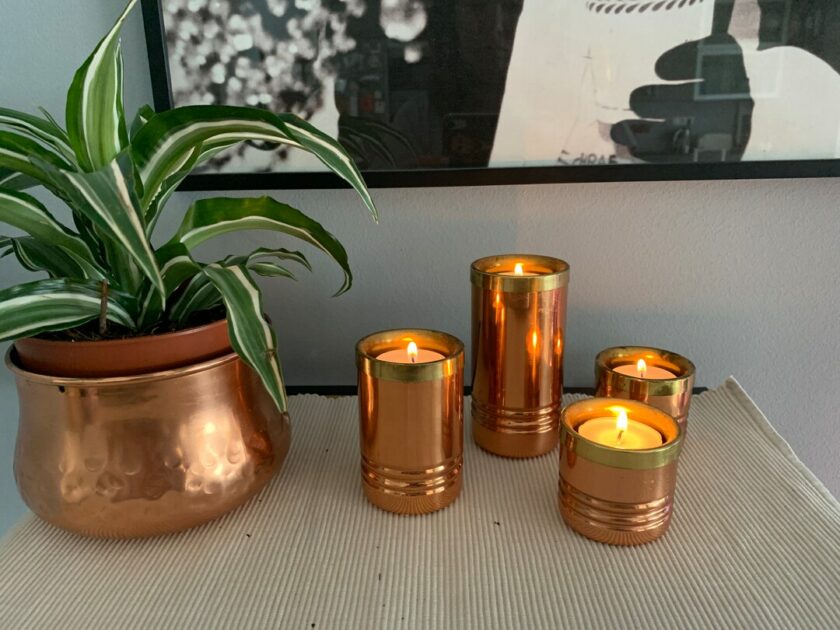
(621, 458)
(114, 381)
(371, 346)
(610, 358)
(485, 273)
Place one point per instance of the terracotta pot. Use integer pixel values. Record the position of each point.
(124, 357)
(149, 454)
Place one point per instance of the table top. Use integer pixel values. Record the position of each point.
(755, 542)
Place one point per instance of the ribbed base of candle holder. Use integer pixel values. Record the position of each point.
(611, 522)
(409, 491)
(515, 433)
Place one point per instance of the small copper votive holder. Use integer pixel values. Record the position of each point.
(411, 422)
(611, 495)
(671, 395)
(518, 336)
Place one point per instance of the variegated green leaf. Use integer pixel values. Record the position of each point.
(37, 255)
(20, 154)
(106, 199)
(50, 305)
(209, 218)
(27, 214)
(270, 270)
(144, 115)
(45, 131)
(268, 252)
(176, 268)
(170, 139)
(12, 180)
(250, 334)
(95, 116)
(331, 154)
(199, 295)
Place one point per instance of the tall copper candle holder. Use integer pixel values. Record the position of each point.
(615, 496)
(518, 335)
(671, 394)
(411, 420)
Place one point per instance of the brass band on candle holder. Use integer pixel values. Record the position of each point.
(518, 336)
(615, 496)
(672, 395)
(411, 422)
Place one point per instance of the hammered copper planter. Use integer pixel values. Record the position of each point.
(145, 455)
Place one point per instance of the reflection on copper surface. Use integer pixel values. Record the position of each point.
(518, 327)
(617, 496)
(411, 423)
(673, 396)
(149, 454)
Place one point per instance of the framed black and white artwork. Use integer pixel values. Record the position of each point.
(442, 92)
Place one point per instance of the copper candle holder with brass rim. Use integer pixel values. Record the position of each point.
(671, 395)
(612, 495)
(411, 419)
(518, 337)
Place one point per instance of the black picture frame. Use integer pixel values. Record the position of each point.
(489, 176)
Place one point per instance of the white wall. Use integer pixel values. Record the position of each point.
(742, 277)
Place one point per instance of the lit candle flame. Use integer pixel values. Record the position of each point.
(518, 270)
(412, 351)
(534, 339)
(621, 424)
(642, 367)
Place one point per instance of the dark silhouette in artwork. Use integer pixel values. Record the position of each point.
(709, 117)
(812, 25)
(433, 101)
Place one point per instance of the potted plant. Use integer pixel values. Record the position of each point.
(151, 395)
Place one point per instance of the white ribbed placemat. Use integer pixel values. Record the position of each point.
(755, 542)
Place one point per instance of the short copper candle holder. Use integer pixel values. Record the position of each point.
(518, 336)
(613, 495)
(411, 419)
(665, 380)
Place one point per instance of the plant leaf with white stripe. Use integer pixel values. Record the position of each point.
(208, 218)
(270, 270)
(45, 131)
(22, 155)
(106, 198)
(268, 252)
(143, 115)
(95, 116)
(166, 143)
(36, 255)
(12, 180)
(331, 154)
(250, 334)
(27, 214)
(171, 138)
(199, 295)
(176, 267)
(50, 305)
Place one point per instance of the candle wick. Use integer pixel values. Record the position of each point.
(620, 435)
(414, 359)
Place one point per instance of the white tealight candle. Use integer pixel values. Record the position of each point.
(620, 432)
(411, 354)
(519, 270)
(642, 370)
